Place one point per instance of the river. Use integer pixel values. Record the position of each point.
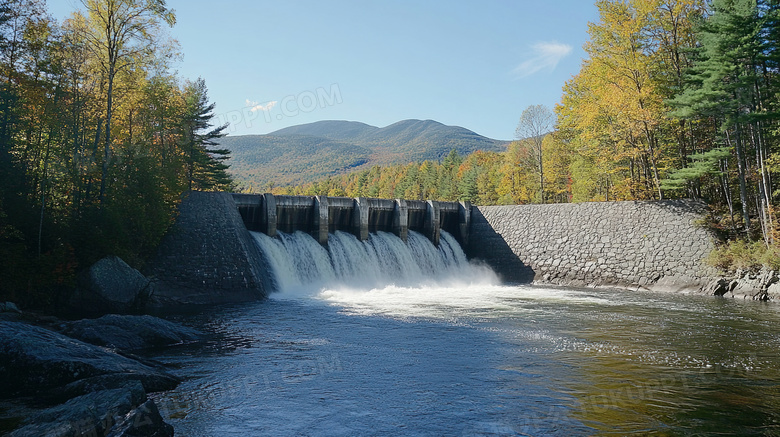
(464, 355)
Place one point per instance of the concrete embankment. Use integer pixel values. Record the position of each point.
(653, 245)
(656, 246)
(207, 257)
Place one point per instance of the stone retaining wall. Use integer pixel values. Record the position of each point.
(207, 257)
(655, 245)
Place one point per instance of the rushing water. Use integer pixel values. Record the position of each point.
(445, 350)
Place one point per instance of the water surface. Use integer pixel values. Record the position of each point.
(476, 358)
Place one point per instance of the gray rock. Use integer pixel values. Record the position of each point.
(144, 421)
(9, 307)
(122, 411)
(130, 332)
(767, 278)
(717, 287)
(111, 285)
(677, 284)
(773, 292)
(754, 286)
(34, 360)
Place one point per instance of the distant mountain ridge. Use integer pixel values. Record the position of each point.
(307, 152)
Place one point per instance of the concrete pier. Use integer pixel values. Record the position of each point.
(432, 220)
(321, 224)
(320, 215)
(401, 219)
(360, 215)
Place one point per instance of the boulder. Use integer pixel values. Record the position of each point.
(130, 332)
(34, 360)
(110, 286)
(718, 287)
(773, 292)
(673, 284)
(123, 411)
(144, 421)
(9, 307)
(755, 286)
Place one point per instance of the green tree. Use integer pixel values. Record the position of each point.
(122, 34)
(206, 169)
(731, 83)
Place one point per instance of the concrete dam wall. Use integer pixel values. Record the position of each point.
(320, 215)
(209, 256)
(654, 245)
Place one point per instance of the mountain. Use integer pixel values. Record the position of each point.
(308, 152)
(338, 130)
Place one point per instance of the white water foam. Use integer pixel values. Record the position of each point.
(300, 264)
(384, 275)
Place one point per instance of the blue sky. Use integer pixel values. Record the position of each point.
(476, 64)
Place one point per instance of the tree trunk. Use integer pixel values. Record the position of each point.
(541, 175)
(107, 147)
(743, 196)
(651, 148)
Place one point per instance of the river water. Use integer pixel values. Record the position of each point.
(461, 354)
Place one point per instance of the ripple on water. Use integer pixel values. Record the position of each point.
(482, 360)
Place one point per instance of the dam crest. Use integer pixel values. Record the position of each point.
(322, 215)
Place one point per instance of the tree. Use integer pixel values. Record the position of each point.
(614, 113)
(206, 169)
(535, 123)
(557, 162)
(122, 34)
(731, 82)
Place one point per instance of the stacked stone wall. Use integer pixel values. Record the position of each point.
(652, 245)
(207, 257)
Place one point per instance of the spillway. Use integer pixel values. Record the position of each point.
(298, 261)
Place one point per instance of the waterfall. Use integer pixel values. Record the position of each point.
(298, 262)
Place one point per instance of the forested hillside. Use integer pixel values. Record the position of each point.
(261, 162)
(98, 140)
(305, 153)
(483, 178)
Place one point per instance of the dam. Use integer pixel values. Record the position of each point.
(211, 254)
(452, 349)
(321, 215)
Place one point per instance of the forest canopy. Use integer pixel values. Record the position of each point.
(98, 138)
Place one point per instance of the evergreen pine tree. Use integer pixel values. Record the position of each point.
(206, 166)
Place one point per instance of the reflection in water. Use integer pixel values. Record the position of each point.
(482, 360)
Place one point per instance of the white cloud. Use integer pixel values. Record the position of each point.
(255, 106)
(545, 56)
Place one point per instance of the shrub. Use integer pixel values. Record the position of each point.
(743, 255)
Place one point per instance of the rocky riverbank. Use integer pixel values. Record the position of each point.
(760, 286)
(83, 377)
